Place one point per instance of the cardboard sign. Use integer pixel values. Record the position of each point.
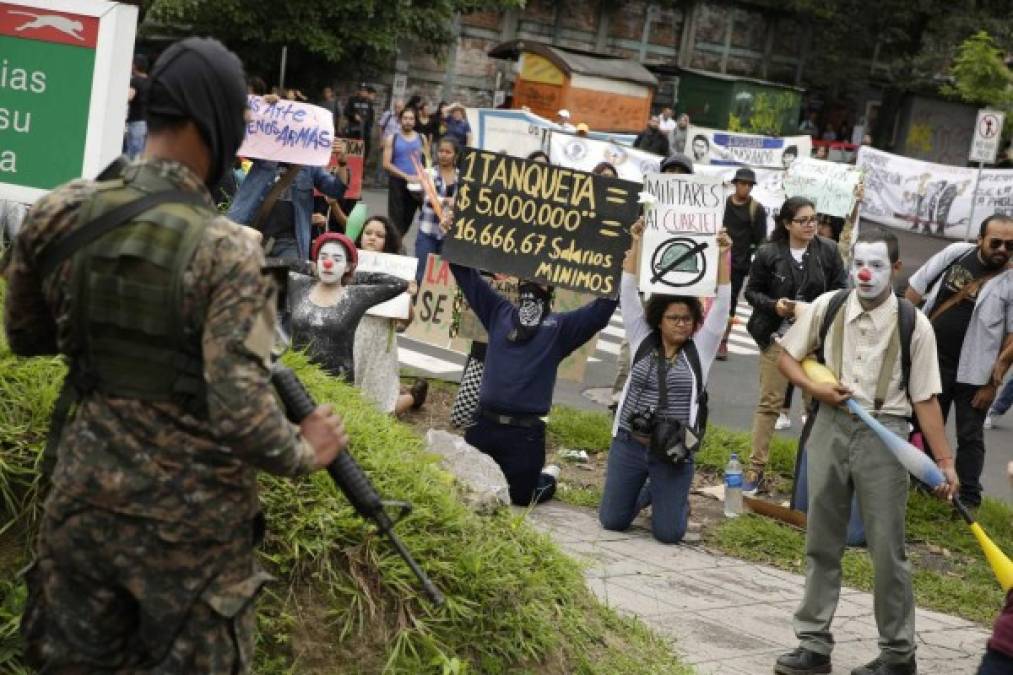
(354, 148)
(434, 321)
(679, 255)
(712, 146)
(296, 133)
(64, 77)
(537, 221)
(400, 266)
(830, 186)
(470, 328)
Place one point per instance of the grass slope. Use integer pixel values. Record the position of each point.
(950, 572)
(344, 602)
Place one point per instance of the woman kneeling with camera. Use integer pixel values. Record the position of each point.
(662, 414)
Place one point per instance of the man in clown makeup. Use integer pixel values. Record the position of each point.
(846, 458)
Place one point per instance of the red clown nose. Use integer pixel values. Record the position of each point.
(328, 264)
(864, 274)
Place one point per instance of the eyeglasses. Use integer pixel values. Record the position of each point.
(811, 220)
(996, 244)
(684, 320)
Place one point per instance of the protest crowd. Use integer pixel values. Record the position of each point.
(820, 285)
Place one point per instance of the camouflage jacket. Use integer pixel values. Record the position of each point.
(152, 459)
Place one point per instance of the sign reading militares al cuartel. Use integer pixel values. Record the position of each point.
(64, 75)
(542, 222)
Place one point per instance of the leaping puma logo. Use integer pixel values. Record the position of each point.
(71, 27)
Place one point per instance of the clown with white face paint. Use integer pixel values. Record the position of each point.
(326, 312)
(871, 271)
(861, 346)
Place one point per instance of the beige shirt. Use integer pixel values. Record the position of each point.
(866, 338)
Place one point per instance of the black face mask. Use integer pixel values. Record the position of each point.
(533, 306)
(201, 80)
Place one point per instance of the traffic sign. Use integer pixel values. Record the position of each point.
(63, 91)
(987, 134)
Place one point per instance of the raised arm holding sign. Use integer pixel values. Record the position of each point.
(541, 222)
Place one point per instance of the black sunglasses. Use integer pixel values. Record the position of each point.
(996, 244)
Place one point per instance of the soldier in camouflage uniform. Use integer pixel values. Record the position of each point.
(145, 560)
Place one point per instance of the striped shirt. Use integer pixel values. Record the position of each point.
(643, 389)
(429, 223)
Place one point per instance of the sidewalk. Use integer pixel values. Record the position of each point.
(729, 616)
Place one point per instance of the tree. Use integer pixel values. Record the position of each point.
(980, 75)
(358, 34)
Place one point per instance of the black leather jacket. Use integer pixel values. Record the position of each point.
(774, 275)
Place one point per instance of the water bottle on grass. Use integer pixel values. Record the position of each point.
(733, 487)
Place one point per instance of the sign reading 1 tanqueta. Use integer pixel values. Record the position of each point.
(64, 71)
(536, 221)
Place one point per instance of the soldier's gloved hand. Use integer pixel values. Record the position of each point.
(325, 433)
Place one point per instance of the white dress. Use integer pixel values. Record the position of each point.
(375, 358)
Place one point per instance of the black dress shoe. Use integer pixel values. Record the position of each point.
(419, 391)
(879, 667)
(802, 661)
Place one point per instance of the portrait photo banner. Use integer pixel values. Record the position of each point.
(536, 221)
(829, 185)
(713, 146)
(679, 253)
(586, 153)
(930, 198)
(287, 131)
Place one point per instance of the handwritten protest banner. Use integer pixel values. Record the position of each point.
(679, 255)
(830, 186)
(586, 153)
(541, 222)
(469, 327)
(400, 266)
(712, 146)
(434, 321)
(287, 131)
(354, 149)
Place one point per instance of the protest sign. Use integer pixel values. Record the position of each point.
(400, 266)
(470, 328)
(830, 186)
(586, 153)
(519, 132)
(769, 188)
(712, 146)
(64, 76)
(354, 149)
(679, 255)
(287, 131)
(541, 222)
(928, 197)
(434, 321)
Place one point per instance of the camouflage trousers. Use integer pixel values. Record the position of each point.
(110, 593)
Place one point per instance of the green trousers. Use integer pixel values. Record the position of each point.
(846, 458)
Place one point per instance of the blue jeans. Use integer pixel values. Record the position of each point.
(424, 245)
(1004, 400)
(630, 464)
(520, 454)
(136, 136)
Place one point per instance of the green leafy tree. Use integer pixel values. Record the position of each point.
(355, 35)
(768, 114)
(980, 76)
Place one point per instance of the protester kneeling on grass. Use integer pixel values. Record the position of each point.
(663, 410)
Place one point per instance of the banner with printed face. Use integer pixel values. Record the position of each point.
(573, 366)
(679, 255)
(830, 186)
(400, 266)
(769, 188)
(287, 131)
(519, 133)
(713, 146)
(931, 198)
(586, 153)
(536, 221)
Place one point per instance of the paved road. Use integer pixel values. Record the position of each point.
(733, 384)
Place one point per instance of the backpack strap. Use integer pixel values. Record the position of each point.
(833, 309)
(907, 314)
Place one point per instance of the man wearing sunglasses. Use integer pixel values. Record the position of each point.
(968, 293)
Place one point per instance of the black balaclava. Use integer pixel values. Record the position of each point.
(533, 305)
(199, 79)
